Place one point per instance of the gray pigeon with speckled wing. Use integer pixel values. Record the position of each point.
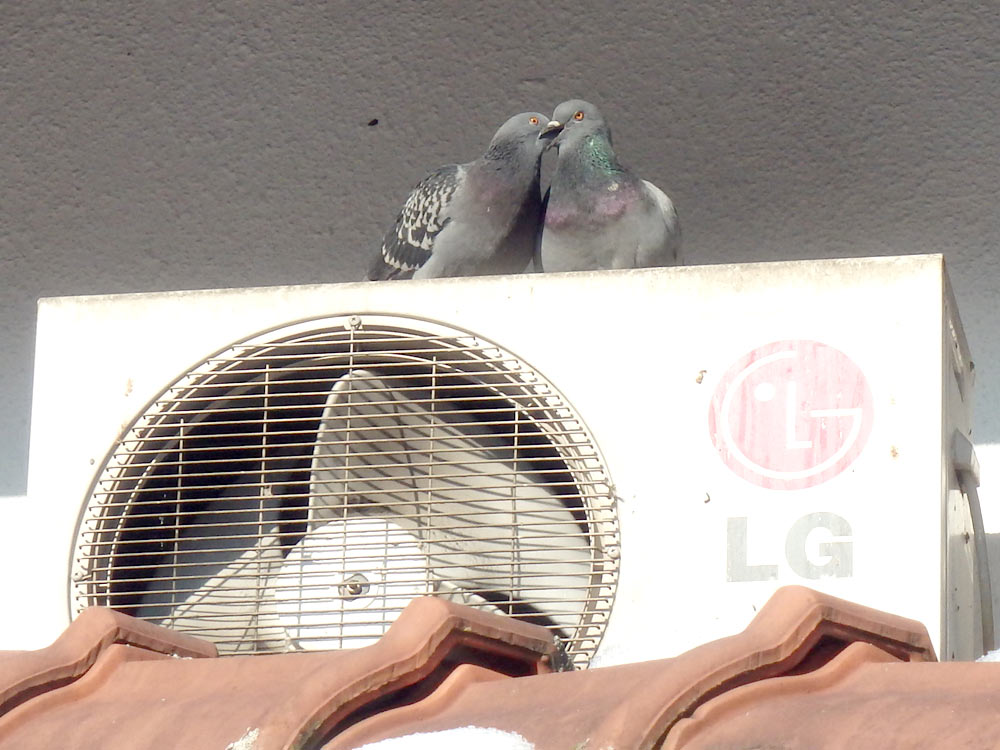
(598, 214)
(472, 219)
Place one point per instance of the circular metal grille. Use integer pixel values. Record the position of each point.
(296, 490)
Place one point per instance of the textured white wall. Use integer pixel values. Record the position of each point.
(183, 145)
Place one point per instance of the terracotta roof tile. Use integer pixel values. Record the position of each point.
(634, 705)
(810, 671)
(863, 698)
(133, 696)
(26, 673)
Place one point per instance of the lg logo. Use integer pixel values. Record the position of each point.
(818, 545)
(791, 415)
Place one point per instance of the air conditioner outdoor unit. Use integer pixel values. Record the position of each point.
(634, 459)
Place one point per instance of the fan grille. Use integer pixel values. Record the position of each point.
(296, 490)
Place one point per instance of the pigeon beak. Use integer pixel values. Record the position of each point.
(552, 129)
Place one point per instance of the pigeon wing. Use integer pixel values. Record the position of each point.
(673, 225)
(410, 243)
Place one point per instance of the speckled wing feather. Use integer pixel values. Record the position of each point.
(410, 242)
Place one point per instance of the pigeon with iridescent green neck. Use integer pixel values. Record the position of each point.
(471, 219)
(598, 214)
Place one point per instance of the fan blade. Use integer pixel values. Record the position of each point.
(488, 525)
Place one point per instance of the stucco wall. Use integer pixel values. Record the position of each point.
(186, 144)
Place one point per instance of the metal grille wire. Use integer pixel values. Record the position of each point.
(298, 489)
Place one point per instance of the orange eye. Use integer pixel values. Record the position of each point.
(578, 115)
(533, 120)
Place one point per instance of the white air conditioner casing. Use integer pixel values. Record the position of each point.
(702, 387)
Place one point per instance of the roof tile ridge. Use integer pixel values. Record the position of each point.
(25, 674)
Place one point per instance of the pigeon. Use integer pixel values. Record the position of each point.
(598, 214)
(472, 219)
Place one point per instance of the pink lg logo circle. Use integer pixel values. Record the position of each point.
(791, 414)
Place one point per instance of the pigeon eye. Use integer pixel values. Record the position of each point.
(578, 115)
(533, 120)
